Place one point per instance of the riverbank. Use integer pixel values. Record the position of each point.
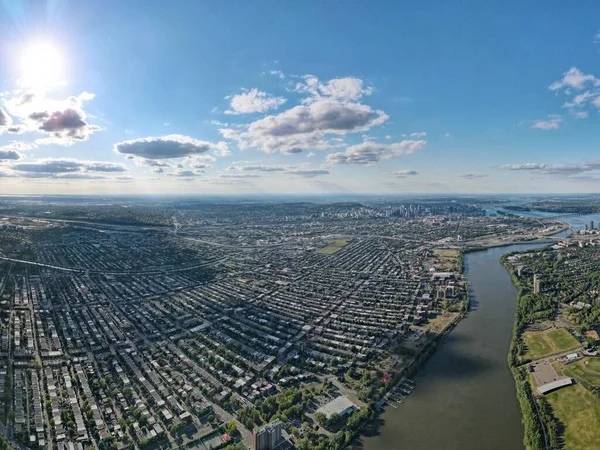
(535, 437)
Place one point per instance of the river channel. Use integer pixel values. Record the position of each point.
(465, 395)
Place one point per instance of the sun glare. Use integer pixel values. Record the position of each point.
(41, 65)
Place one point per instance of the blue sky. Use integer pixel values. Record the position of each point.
(298, 97)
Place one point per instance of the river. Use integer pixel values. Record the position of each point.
(465, 395)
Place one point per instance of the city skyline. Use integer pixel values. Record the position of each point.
(234, 98)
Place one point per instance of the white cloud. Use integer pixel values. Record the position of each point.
(261, 167)
(63, 165)
(331, 109)
(64, 122)
(254, 101)
(555, 169)
(552, 123)
(307, 126)
(5, 121)
(63, 168)
(184, 173)
(575, 79)
(278, 73)
(579, 99)
(418, 135)
(165, 147)
(18, 146)
(222, 149)
(341, 89)
(370, 153)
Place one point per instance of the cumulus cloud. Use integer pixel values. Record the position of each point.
(370, 153)
(329, 110)
(306, 126)
(576, 79)
(552, 123)
(222, 149)
(64, 122)
(9, 154)
(165, 147)
(418, 134)
(253, 101)
(307, 173)
(342, 89)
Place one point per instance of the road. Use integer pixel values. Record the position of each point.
(168, 269)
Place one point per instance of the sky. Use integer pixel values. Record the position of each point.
(311, 97)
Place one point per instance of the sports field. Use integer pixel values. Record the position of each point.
(335, 246)
(543, 343)
(587, 369)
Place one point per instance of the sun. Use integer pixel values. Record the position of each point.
(41, 65)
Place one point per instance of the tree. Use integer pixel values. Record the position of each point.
(321, 418)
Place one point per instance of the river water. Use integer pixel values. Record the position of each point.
(465, 395)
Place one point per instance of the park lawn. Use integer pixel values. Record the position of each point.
(543, 343)
(537, 344)
(335, 246)
(446, 252)
(588, 369)
(562, 339)
(579, 411)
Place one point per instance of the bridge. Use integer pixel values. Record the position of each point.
(564, 216)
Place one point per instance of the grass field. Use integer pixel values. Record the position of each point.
(544, 343)
(335, 246)
(579, 411)
(563, 340)
(537, 345)
(446, 252)
(437, 324)
(588, 369)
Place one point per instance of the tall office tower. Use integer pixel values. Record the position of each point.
(536, 284)
(591, 224)
(261, 439)
(269, 437)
